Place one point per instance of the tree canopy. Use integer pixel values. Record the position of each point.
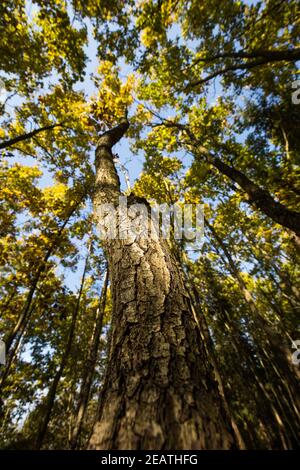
(208, 88)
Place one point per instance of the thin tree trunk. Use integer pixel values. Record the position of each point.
(18, 330)
(273, 413)
(159, 391)
(210, 350)
(53, 387)
(278, 343)
(89, 368)
(11, 355)
(261, 198)
(280, 361)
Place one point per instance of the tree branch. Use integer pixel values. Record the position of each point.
(258, 196)
(263, 57)
(272, 55)
(112, 136)
(29, 135)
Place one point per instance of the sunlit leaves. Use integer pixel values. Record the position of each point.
(114, 96)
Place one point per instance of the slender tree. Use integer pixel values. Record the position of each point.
(53, 387)
(89, 368)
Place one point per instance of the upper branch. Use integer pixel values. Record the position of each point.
(112, 136)
(270, 55)
(259, 58)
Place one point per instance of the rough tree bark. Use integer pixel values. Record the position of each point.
(159, 391)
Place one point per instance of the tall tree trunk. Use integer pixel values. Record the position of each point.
(159, 391)
(89, 368)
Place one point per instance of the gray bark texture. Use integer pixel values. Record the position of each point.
(160, 391)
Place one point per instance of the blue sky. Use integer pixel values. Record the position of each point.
(133, 163)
